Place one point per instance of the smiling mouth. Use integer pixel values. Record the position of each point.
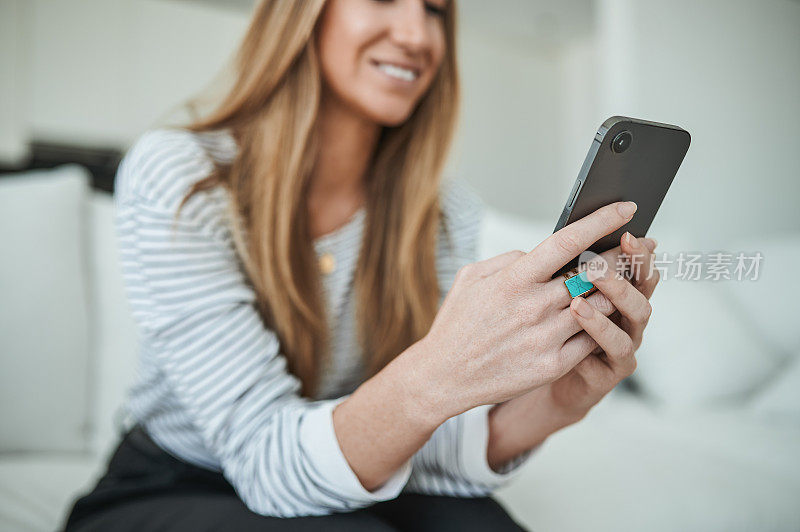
(397, 72)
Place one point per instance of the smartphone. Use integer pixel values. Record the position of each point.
(629, 160)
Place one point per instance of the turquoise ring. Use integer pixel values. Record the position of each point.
(577, 284)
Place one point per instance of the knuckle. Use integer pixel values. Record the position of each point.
(567, 242)
(652, 277)
(630, 294)
(611, 216)
(647, 311)
(628, 349)
(509, 281)
(608, 283)
(535, 309)
(465, 272)
(554, 365)
(604, 325)
(620, 287)
(603, 304)
(518, 318)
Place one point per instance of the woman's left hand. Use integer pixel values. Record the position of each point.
(616, 337)
(614, 321)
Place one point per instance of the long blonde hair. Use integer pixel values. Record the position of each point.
(271, 111)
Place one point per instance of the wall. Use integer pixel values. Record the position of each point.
(508, 143)
(521, 100)
(579, 110)
(102, 71)
(728, 71)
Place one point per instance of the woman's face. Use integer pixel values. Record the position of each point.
(379, 57)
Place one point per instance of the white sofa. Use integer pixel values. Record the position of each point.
(710, 442)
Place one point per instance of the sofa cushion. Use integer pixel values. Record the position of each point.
(696, 350)
(629, 466)
(779, 400)
(768, 306)
(37, 491)
(44, 346)
(715, 341)
(114, 338)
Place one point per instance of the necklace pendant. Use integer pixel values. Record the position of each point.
(327, 263)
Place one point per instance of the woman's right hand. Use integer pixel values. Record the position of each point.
(501, 329)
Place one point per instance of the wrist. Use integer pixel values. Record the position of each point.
(560, 415)
(524, 422)
(414, 381)
(511, 432)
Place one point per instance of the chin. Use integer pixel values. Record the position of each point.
(390, 115)
(394, 121)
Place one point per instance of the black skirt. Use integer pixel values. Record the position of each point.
(145, 488)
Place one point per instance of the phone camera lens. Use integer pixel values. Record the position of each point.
(622, 142)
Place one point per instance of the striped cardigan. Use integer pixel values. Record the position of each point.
(213, 388)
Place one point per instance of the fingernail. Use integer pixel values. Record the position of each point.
(627, 209)
(629, 239)
(582, 307)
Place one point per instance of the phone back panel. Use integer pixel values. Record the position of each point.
(641, 173)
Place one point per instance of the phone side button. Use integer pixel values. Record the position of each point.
(574, 195)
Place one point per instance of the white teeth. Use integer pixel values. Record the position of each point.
(398, 72)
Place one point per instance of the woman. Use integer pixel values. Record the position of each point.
(286, 260)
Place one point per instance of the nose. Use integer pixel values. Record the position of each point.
(409, 29)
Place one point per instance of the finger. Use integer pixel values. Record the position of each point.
(490, 266)
(631, 304)
(637, 254)
(617, 345)
(578, 346)
(568, 326)
(567, 243)
(649, 243)
(558, 295)
(595, 371)
(643, 274)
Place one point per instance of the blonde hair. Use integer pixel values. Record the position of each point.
(271, 111)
